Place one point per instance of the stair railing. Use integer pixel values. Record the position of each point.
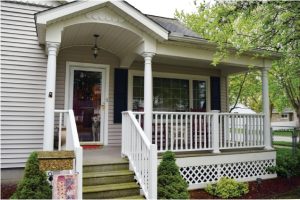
(72, 143)
(141, 153)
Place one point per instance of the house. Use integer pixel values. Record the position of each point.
(286, 119)
(103, 73)
(242, 109)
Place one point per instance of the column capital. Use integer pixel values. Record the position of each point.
(148, 54)
(265, 69)
(52, 48)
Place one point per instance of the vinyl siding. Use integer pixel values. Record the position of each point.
(23, 78)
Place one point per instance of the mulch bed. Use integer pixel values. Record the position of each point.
(7, 190)
(267, 189)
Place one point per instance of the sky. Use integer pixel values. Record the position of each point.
(164, 8)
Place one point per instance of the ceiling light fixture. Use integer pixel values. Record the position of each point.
(95, 48)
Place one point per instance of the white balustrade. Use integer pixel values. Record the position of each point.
(241, 130)
(142, 155)
(182, 131)
(196, 131)
(72, 143)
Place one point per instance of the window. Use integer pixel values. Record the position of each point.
(171, 94)
(284, 116)
(199, 96)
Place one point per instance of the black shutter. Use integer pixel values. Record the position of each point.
(215, 101)
(120, 97)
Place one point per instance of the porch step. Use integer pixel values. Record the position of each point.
(110, 180)
(109, 191)
(100, 178)
(131, 197)
(124, 165)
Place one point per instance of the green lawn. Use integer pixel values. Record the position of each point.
(282, 143)
(283, 133)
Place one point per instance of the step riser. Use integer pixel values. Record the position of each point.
(111, 194)
(105, 168)
(108, 180)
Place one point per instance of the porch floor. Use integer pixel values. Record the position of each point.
(104, 155)
(112, 154)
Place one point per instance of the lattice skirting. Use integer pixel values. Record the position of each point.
(199, 176)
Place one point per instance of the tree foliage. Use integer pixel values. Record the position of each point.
(34, 184)
(171, 184)
(268, 26)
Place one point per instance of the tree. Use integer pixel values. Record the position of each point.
(269, 26)
(171, 184)
(34, 184)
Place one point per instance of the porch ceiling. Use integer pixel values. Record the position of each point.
(116, 40)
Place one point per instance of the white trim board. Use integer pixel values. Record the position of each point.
(189, 77)
(68, 88)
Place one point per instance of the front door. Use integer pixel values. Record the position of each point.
(87, 99)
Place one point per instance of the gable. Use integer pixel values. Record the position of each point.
(93, 10)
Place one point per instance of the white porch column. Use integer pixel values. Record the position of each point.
(148, 94)
(52, 49)
(266, 108)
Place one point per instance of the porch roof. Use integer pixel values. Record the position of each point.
(168, 36)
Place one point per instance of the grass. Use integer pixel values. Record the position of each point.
(286, 133)
(282, 143)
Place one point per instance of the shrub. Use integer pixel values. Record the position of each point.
(286, 164)
(227, 188)
(34, 184)
(171, 185)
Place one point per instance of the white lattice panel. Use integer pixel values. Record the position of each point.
(239, 170)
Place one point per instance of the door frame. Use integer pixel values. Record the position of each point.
(68, 104)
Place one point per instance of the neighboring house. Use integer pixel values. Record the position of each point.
(284, 120)
(153, 67)
(242, 109)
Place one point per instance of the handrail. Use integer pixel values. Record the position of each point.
(141, 153)
(72, 143)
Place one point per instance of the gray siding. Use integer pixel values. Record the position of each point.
(23, 78)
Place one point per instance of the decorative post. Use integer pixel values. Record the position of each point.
(266, 108)
(148, 95)
(215, 131)
(52, 49)
(153, 172)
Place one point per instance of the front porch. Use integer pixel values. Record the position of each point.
(199, 168)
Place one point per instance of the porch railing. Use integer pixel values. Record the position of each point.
(141, 153)
(72, 143)
(195, 131)
(241, 130)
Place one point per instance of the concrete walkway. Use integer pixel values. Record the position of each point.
(282, 138)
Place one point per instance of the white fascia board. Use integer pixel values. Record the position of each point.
(53, 14)
(207, 54)
(163, 33)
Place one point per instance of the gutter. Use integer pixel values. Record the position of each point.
(213, 46)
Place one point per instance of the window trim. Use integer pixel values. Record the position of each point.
(189, 77)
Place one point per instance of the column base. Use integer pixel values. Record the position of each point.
(268, 148)
(216, 151)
